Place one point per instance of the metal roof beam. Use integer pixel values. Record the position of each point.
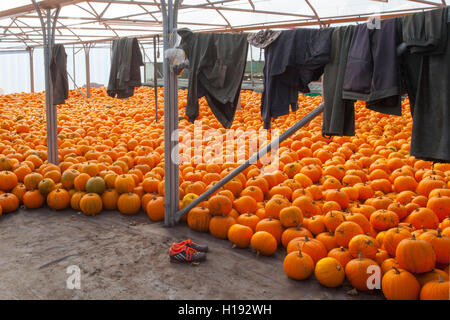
(45, 4)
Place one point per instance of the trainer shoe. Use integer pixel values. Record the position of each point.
(192, 244)
(186, 254)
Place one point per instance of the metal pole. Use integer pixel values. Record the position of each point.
(30, 52)
(251, 68)
(155, 77)
(73, 63)
(310, 116)
(88, 70)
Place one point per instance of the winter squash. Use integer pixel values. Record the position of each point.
(360, 219)
(440, 244)
(383, 220)
(273, 226)
(245, 204)
(345, 232)
(298, 265)
(19, 191)
(274, 206)
(329, 272)
(79, 183)
(364, 245)
(96, 185)
(33, 199)
(58, 199)
(249, 220)
(432, 275)
(392, 238)
(198, 219)
(188, 199)
(381, 256)
(315, 224)
(124, 183)
(399, 284)
(423, 217)
(356, 272)
(129, 203)
(328, 240)
(219, 225)
(219, 205)
(68, 177)
(240, 235)
(415, 255)
(91, 204)
(46, 185)
(8, 180)
(333, 219)
(435, 290)
(341, 254)
(109, 199)
(264, 243)
(440, 206)
(294, 232)
(313, 247)
(32, 180)
(291, 216)
(75, 200)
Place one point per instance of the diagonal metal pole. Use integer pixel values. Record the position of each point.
(273, 144)
(155, 76)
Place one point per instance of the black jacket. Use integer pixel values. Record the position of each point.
(216, 69)
(58, 73)
(125, 72)
(292, 61)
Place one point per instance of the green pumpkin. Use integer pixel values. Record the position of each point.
(96, 185)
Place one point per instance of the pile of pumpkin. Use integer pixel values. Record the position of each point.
(338, 206)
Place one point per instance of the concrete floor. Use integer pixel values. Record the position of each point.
(122, 257)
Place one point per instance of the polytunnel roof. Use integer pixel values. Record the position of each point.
(93, 21)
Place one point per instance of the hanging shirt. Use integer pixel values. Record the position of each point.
(216, 70)
(58, 73)
(339, 114)
(426, 73)
(125, 72)
(373, 72)
(292, 61)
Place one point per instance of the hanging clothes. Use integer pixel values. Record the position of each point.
(292, 61)
(426, 74)
(125, 72)
(216, 70)
(262, 38)
(58, 73)
(373, 72)
(339, 114)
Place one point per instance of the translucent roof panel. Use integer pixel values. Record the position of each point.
(94, 21)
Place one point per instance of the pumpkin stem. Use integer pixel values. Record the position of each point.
(359, 255)
(439, 235)
(306, 238)
(396, 270)
(413, 237)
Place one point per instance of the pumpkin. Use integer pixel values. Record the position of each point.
(9, 202)
(32, 180)
(313, 247)
(364, 245)
(392, 238)
(328, 240)
(435, 290)
(109, 199)
(58, 199)
(440, 244)
(19, 191)
(432, 275)
(381, 256)
(219, 225)
(360, 219)
(341, 254)
(96, 185)
(423, 217)
(33, 199)
(46, 185)
(315, 224)
(79, 183)
(68, 177)
(333, 219)
(129, 203)
(91, 204)
(249, 220)
(356, 272)
(245, 204)
(383, 220)
(75, 200)
(415, 255)
(156, 209)
(399, 284)
(263, 243)
(124, 183)
(8, 180)
(388, 264)
(345, 232)
(294, 232)
(298, 265)
(240, 235)
(329, 272)
(198, 219)
(219, 205)
(273, 226)
(274, 206)
(291, 216)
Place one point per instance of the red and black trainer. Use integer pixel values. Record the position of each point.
(192, 244)
(186, 254)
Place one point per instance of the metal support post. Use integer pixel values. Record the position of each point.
(88, 70)
(171, 176)
(251, 68)
(155, 76)
(289, 132)
(30, 52)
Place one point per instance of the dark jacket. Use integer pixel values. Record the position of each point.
(125, 72)
(373, 72)
(58, 73)
(292, 61)
(216, 70)
(426, 74)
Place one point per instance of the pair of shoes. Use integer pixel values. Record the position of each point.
(187, 251)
